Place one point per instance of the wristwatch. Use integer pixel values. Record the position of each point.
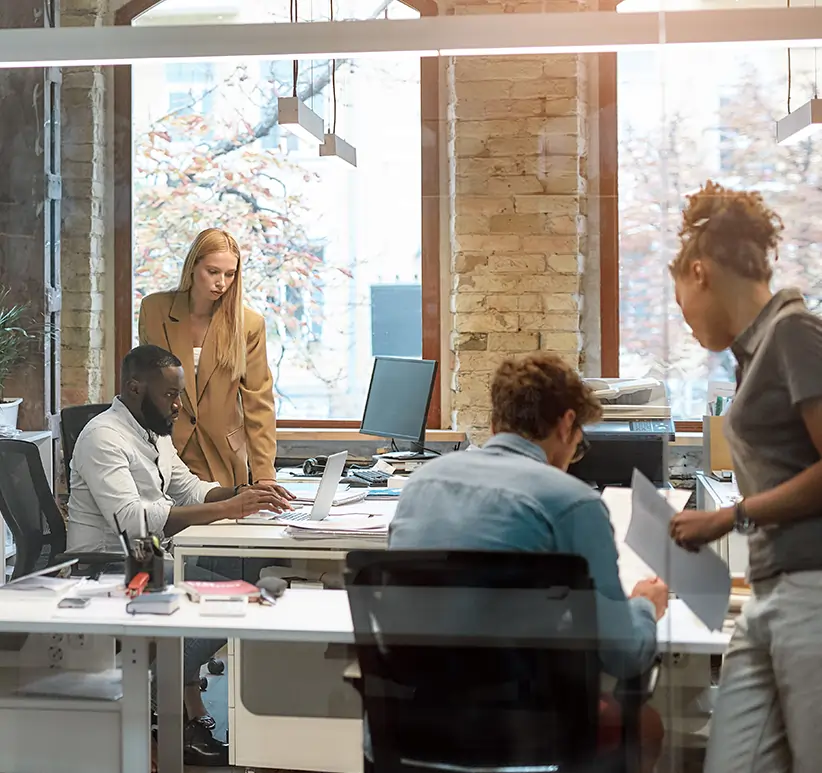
(742, 523)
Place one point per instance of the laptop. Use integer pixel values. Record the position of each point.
(324, 499)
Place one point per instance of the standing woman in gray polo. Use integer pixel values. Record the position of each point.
(769, 713)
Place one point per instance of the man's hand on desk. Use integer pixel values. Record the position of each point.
(656, 592)
(256, 498)
(691, 529)
(275, 488)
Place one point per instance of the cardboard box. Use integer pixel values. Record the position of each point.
(716, 453)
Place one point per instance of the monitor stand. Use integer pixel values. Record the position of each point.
(407, 456)
(418, 453)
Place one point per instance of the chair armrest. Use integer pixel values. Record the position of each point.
(640, 688)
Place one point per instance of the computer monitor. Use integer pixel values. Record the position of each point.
(398, 399)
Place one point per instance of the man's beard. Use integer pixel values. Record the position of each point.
(153, 419)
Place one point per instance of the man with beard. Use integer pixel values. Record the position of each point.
(125, 472)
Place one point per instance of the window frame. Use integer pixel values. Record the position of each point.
(430, 237)
(609, 217)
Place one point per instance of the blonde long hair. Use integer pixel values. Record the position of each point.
(227, 319)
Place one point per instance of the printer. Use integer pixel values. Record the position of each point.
(635, 431)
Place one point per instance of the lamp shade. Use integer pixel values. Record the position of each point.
(799, 124)
(336, 148)
(293, 114)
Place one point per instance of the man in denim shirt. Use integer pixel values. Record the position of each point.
(515, 494)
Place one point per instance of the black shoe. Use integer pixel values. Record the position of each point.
(202, 749)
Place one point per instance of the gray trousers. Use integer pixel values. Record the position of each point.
(768, 717)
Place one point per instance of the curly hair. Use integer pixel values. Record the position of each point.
(736, 229)
(530, 395)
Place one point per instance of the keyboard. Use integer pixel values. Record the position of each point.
(371, 477)
(301, 514)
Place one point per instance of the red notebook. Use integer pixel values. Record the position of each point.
(196, 590)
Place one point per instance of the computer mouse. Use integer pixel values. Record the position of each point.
(355, 482)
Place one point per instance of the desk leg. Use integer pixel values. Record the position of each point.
(170, 705)
(179, 558)
(135, 746)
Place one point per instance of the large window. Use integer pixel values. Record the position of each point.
(684, 117)
(332, 256)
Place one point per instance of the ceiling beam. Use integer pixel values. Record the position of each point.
(492, 35)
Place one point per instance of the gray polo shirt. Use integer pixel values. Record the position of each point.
(779, 368)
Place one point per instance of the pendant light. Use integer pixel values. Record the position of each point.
(292, 113)
(334, 147)
(800, 124)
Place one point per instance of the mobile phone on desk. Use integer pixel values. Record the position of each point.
(73, 602)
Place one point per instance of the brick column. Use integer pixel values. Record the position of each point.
(517, 184)
(83, 245)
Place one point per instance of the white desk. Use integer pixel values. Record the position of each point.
(123, 726)
(252, 540)
(291, 742)
(278, 741)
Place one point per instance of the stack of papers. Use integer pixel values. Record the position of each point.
(40, 587)
(359, 526)
(101, 686)
(306, 493)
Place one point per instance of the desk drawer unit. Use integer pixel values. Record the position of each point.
(289, 708)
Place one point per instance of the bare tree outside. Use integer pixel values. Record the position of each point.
(660, 162)
(213, 155)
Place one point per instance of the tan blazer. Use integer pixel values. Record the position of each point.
(226, 424)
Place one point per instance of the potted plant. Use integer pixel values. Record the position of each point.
(20, 335)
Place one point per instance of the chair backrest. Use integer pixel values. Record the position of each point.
(72, 421)
(476, 659)
(27, 504)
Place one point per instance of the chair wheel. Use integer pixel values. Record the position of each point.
(203, 684)
(216, 667)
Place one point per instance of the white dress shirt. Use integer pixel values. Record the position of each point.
(120, 469)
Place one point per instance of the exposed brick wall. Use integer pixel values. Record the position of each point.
(517, 152)
(83, 242)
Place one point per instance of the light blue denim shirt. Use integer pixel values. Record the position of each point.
(507, 497)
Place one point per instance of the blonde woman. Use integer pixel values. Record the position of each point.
(227, 424)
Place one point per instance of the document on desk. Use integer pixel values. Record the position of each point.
(702, 580)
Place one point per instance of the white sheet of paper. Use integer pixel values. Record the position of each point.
(632, 568)
(702, 580)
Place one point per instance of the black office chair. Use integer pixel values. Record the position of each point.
(480, 660)
(28, 507)
(72, 421)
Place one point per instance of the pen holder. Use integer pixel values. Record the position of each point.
(145, 557)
